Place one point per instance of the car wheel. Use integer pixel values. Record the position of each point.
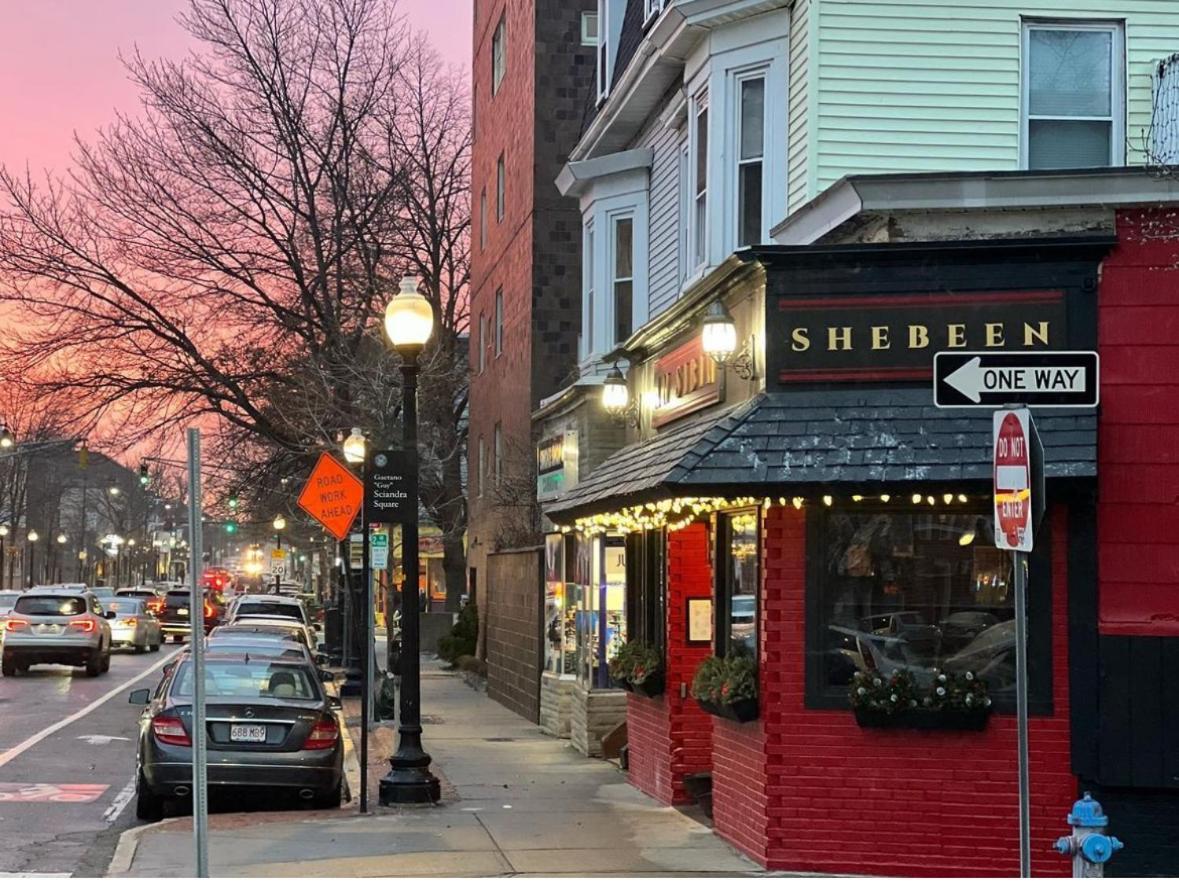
(8, 667)
(149, 807)
(329, 799)
(176, 640)
(106, 661)
(139, 649)
(94, 664)
(155, 647)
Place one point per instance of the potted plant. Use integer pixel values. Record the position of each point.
(951, 701)
(638, 667)
(727, 687)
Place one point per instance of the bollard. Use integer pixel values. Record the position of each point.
(1089, 847)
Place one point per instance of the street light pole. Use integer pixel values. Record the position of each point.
(33, 535)
(409, 319)
(3, 533)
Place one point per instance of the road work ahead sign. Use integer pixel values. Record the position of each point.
(332, 495)
(1048, 378)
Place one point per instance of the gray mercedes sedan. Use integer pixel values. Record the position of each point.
(269, 725)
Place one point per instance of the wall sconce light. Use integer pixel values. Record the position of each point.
(616, 399)
(718, 336)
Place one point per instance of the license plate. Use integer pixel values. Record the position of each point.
(252, 734)
(48, 629)
(183, 612)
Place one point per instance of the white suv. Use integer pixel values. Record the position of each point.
(56, 626)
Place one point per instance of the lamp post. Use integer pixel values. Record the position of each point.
(409, 320)
(58, 559)
(4, 531)
(33, 537)
(280, 524)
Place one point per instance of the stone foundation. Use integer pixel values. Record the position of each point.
(556, 704)
(594, 714)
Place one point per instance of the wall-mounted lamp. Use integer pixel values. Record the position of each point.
(616, 399)
(718, 336)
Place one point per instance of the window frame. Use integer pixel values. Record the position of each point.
(498, 338)
(615, 280)
(651, 10)
(501, 188)
(483, 218)
(646, 587)
(482, 464)
(602, 56)
(1118, 82)
(586, 39)
(499, 53)
(497, 454)
(482, 365)
(760, 73)
(588, 292)
(722, 618)
(698, 232)
(1041, 660)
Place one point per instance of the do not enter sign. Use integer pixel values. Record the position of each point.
(1015, 479)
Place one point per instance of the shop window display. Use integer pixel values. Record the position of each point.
(737, 594)
(925, 592)
(562, 597)
(600, 622)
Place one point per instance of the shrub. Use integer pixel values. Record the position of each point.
(725, 680)
(636, 662)
(461, 640)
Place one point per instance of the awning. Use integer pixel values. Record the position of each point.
(781, 440)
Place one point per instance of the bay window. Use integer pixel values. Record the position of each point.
(699, 229)
(751, 96)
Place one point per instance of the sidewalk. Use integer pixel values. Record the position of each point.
(515, 802)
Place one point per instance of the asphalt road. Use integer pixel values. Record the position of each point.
(60, 729)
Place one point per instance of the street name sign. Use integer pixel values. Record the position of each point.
(332, 495)
(1030, 378)
(391, 495)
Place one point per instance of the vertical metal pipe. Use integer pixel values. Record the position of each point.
(1021, 709)
(200, 802)
(365, 651)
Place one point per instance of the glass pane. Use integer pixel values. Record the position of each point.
(623, 299)
(753, 118)
(1062, 144)
(749, 198)
(744, 584)
(1070, 72)
(701, 150)
(918, 592)
(624, 248)
(701, 234)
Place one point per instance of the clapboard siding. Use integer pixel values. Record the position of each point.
(664, 241)
(919, 85)
(798, 186)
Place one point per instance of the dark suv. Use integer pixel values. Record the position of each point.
(176, 618)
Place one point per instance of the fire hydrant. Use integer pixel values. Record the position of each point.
(1089, 847)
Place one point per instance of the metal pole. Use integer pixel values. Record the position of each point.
(365, 665)
(1021, 709)
(200, 802)
(409, 779)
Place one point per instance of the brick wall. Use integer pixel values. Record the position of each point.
(513, 630)
(1138, 438)
(839, 798)
(670, 736)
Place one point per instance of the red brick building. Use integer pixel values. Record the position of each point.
(533, 70)
(837, 527)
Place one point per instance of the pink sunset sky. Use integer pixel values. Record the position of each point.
(61, 74)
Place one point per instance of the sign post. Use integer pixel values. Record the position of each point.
(1018, 496)
(196, 610)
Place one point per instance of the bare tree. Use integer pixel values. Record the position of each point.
(226, 255)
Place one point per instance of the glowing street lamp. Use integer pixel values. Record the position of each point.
(354, 447)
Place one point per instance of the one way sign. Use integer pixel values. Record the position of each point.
(1048, 378)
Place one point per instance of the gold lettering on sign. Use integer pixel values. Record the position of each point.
(880, 338)
(956, 334)
(918, 337)
(800, 340)
(839, 338)
(995, 334)
(1033, 334)
(686, 380)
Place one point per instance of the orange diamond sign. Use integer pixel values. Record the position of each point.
(332, 495)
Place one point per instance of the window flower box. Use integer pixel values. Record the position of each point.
(743, 710)
(974, 721)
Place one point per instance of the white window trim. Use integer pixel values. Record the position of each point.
(588, 298)
(699, 254)
(758, 73)
(586, 39)
(500, 71)
(613, 279)
(483, 219)
(651, 10)
(482, 343)
(1117, 81)
(501, 187)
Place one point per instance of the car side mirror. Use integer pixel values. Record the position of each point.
(321, 659)
(335, 703)
(327, 676)
(140, 697)
(109, 615)
(317, 626)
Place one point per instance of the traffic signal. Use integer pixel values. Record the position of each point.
(144, 475)
(233, 500)
(231, 527)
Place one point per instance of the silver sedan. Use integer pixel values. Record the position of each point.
(134, 626)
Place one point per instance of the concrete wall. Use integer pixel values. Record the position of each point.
(594, 714)
(556, 704)
(513, 618)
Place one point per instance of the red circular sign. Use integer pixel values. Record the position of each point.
(1013, 476)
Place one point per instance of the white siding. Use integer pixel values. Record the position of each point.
(925, 85)
(798, 141)
(663, 242)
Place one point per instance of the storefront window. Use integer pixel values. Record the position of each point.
(920, 591)
(560, 606)
(601, 618)
(739, 584)
(646, 587)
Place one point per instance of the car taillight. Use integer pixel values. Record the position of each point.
(15, 623)
(131, 621)
(324, 734)
(170, 730)
(210, 611)
(84, 624)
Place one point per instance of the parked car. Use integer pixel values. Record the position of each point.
(152, 600)
(63, 626)
(276, 627)
(101, 592)
(269, 724)
(134, 626)
(8, 598)
(176, 620)
(268, 606)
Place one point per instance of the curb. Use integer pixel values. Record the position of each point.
(124, 854)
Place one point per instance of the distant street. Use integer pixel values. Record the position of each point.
(67, 764)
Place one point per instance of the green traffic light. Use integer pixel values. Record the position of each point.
(231, 527)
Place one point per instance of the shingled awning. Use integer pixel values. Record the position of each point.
(781, 440)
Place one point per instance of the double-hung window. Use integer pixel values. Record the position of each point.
(751, 129)
(497, 446)
(499, 320)
(500, 187)
(699, 231)
(588, 339)
(483, 218)
(1073, 95)
(499, 49)
(482, 361)
(623, 277)
(482, 465)
(589, 29)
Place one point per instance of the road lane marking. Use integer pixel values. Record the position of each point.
(24, 792)
(101, 739)
(119, 803)
(12, 753)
